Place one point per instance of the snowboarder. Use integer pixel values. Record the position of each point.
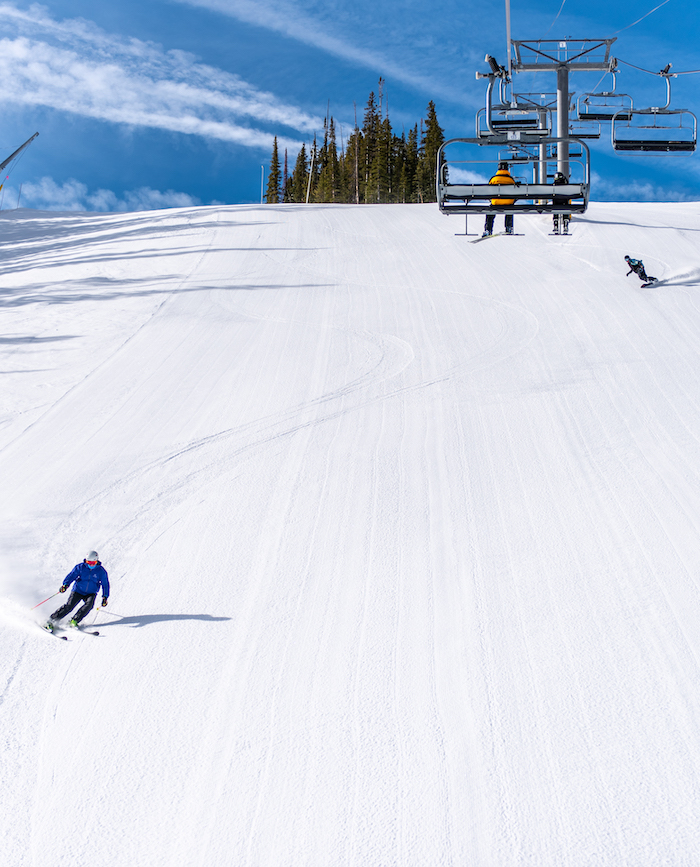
(89, 577)
(558, 201)
(502, 176)
(637, 266)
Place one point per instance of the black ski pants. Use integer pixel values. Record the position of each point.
(490, 218)
(74, 599)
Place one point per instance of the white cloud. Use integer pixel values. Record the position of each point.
(615, 190)
(290, 20)
(74, 66)
(72, 195)
(466, 176)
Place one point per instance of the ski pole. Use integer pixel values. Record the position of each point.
(45, 600)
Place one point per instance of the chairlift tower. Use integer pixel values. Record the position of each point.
(563, 56)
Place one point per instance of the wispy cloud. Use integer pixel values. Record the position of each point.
(72, 195)
(617, 190)
(291, 20)
(75, 66)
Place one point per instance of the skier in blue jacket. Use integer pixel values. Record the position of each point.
(89, 576)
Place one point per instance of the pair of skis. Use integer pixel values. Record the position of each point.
(56, 634)
(495, 235)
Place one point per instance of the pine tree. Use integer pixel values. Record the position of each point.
(410, 167)
(285, 178)
(328, 189)
(312, 184)
(400, 185)
(352, 162)
(378, 181)
(344, 178)
(370, 129)
(272, 195)
(427, 163)
(299, 178)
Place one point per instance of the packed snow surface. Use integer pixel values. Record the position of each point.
(403, 534)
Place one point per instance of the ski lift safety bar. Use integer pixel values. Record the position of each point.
(476, 198)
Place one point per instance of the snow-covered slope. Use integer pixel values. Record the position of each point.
(403, 536)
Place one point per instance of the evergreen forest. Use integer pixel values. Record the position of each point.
(375, 165)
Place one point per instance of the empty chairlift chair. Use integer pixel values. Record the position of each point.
(655, 131)
(584, 129)
(661, 130)
(602, 106)
(502, 119)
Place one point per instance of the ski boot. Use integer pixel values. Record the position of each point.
(74, 623)
(48, 626)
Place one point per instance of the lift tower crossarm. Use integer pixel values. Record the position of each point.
(574, 62)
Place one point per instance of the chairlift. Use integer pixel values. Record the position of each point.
(603, 106)
(584, 129)
(514, 156)
(575, 150)
(661, 130)
(504, 118)
(455, 197)
(655, 131)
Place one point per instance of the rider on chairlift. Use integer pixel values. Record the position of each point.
(502, 176)
(559, 179)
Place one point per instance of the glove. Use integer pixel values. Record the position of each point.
(62, 588)
(104, 601)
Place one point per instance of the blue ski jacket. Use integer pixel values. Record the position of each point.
(87, 580)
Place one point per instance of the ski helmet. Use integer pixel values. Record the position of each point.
(93, 555)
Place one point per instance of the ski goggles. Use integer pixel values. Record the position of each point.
(91, 562)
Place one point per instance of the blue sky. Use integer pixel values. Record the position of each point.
(156, 103)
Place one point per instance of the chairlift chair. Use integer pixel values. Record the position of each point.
(602, 106)
(508, 118)
(514, 157)
(455, 197)
(584, 129)
(655, 131)
(663, 130)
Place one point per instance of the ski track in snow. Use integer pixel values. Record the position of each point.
(402, 534)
